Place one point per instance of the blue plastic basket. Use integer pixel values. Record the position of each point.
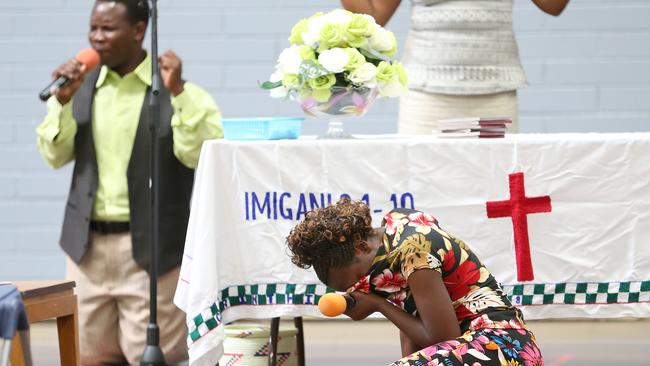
(262, 128)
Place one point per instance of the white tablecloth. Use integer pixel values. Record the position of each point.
(589, 242)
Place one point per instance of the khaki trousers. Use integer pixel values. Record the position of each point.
(419, 112)
(113, 294)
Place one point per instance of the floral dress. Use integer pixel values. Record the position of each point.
(493, 331)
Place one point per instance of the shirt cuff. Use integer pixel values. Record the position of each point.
(186, 108)
(61, 120)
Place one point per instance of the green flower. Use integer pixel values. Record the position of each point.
(393, 41)
(359, 30)
(365, 74)
(306, 52)
(385, 72)
(401, 73)
(331, 35)
(290, 81)
(383, 41)
(355, 58)
(321, 87)
(297, 31)
(322, 82)
(322, 95)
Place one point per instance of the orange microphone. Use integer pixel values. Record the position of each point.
(88, 57)
(333, 304)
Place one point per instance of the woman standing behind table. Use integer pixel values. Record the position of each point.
(461, 56)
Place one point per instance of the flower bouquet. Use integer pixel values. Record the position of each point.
(337, 64)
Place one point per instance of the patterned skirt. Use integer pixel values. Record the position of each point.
(511, 347)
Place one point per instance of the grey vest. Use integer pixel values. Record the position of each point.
(175, 185)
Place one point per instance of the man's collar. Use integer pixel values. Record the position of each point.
(142, 71)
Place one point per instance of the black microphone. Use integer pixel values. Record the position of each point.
(350, 302)
(88, 57)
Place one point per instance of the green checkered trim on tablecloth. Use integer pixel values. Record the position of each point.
(262, 294)
(581, 293)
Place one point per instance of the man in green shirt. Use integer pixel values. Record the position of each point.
(100, 121)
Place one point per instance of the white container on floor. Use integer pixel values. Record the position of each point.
(248, 345)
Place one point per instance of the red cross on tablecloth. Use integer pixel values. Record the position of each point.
(518, 207)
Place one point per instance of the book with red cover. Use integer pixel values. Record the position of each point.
(481, 120)
(473, 122)
(475, 134)
(482, 127)
(501, 129)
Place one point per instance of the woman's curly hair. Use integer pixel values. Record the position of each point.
(328, 236)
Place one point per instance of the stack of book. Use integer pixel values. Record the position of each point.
(481, 127)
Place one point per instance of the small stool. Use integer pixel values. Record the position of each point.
(300, 341)
(47, 300)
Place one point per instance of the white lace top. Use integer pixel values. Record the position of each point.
(463, 47)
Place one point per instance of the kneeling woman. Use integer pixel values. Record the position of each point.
(449, 308)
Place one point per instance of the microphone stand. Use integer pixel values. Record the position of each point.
(153, 355)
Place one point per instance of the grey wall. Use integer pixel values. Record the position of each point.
(589, 70)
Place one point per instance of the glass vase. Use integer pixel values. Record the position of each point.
(343, 102)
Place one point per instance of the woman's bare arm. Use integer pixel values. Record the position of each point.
(381, 10)
(436, 321)
(407, 345)
(553, 7)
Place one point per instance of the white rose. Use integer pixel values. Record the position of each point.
(383, 40)
(393, 88)
(276, 76)
(371, 20)
(289, 60)
(311, 36)
(334, 60)
(279, 92)
(365, 74)
(338, 16)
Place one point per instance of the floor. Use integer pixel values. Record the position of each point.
(375, 342)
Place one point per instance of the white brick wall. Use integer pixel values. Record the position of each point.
(589, 70)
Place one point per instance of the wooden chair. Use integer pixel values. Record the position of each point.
(51, 300)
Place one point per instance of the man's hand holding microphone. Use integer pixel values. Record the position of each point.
(68, 77)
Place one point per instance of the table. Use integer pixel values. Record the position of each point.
(562, 220)
(46, 300)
